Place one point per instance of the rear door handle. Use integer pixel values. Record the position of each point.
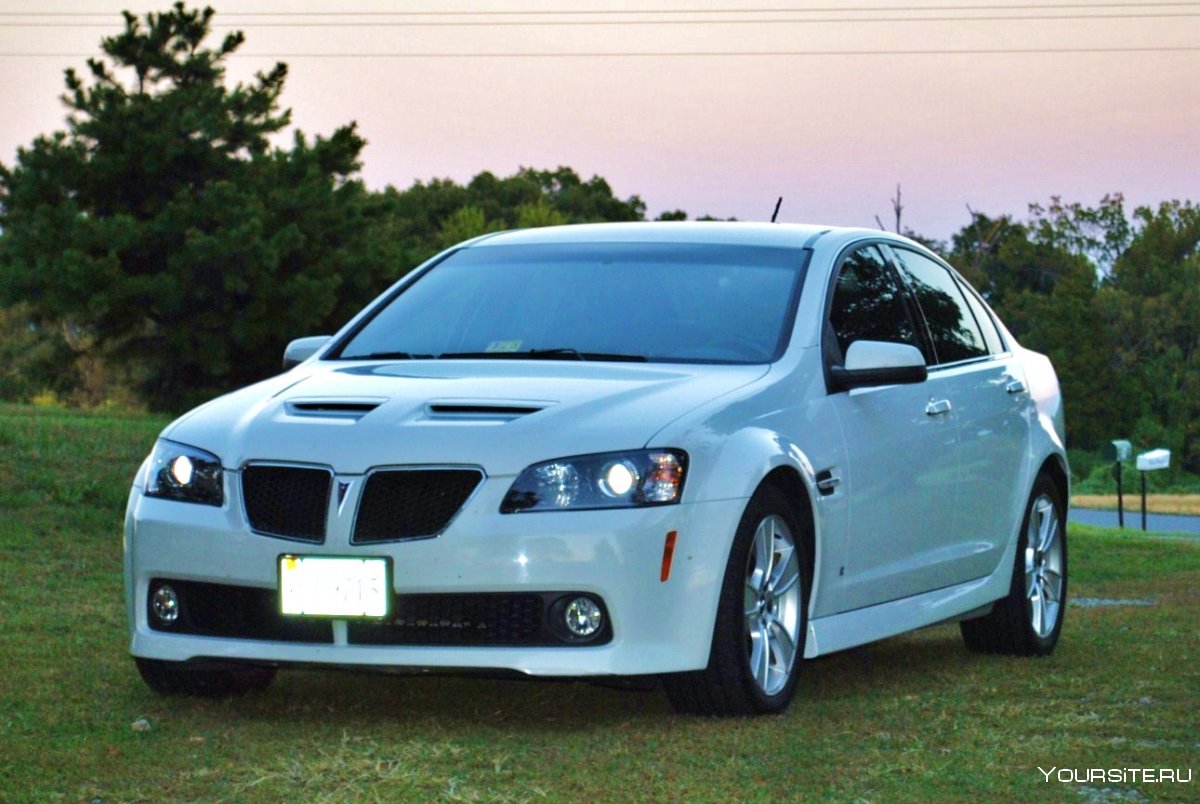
(937, 407)
(1015, 387)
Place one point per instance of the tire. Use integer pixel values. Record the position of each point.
(762, 618)
(181, 678)
(1029, 619)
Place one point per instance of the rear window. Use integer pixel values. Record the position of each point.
(952, 327)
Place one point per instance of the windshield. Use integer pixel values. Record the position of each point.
(668, 302)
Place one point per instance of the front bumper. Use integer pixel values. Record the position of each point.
(615, 555)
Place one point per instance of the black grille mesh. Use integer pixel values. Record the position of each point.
(239, 612)
(287, 501)
(411, 503)
(495, 619)
(457, 619)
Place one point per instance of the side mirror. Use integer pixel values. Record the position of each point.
(870, 363)
(302, 349)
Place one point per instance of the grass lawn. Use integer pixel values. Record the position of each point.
(911, 718)
(1155, 503)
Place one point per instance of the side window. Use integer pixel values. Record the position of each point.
(991, 335)
(868, 303)
(952, 326)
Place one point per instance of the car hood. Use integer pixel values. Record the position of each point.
(500, 415)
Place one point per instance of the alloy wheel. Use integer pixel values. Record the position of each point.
(772, 604)
(1044, 566)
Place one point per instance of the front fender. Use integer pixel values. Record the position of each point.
(735, 466)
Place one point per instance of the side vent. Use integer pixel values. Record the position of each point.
(488, 412)
(353, 409)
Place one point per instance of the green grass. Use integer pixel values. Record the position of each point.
(911, 718)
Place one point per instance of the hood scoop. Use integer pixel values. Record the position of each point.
(345, 409)
(481, 411)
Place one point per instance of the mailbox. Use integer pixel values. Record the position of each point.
(1118, 450)
(1154, 459)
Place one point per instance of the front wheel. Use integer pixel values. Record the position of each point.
(1029, 619)
(762, 617)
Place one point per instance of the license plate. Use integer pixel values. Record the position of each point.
(324, 586)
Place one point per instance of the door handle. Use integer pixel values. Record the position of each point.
(937, 407)
(1015, 387)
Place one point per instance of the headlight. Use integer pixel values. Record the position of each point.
(180, 472)
(610, 480)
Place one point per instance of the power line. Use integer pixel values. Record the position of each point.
(642, 22)
(676, 53)
(644, 11)
(739, 54)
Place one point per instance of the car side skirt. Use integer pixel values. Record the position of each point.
(850, 629)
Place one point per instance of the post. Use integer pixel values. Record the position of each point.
(1143, 501)
(1148, 462)
(1120, 500)
(1119, 450)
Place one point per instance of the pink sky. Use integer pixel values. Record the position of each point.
(716, 134)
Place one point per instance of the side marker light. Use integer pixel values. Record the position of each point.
(668, 555)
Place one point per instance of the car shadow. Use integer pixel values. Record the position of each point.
(920, 661)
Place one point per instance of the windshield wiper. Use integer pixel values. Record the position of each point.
(386, 356)
(544, 354)
(607, 356)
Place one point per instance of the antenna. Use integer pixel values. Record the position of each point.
(775, 214)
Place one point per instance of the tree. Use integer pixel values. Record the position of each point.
(1099, 234)
(165, 225)
(1114, 300)
(1151, 304)
(463, 224)
(1038, 277)
(32, 361)
(428, 217)
(547, 198)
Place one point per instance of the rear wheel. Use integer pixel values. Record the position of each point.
(1029, 619)
(762, 617)
(182, 678)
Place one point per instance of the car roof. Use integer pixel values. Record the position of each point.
(784, 235)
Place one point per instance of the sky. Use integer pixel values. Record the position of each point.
(712, 106)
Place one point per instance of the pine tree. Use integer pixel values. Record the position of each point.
(166, 225)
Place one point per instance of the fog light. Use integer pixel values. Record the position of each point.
(583, 617)
(165, 604)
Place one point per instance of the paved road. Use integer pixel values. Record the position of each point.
(1156, 523)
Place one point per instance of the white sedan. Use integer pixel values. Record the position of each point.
(700, 451)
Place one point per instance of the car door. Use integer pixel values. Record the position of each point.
(992, 407)
(901, 464)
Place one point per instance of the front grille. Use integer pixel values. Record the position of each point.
(487, 619)
(238, 612)
(411, 503)
(291, 502)
(457, 619)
